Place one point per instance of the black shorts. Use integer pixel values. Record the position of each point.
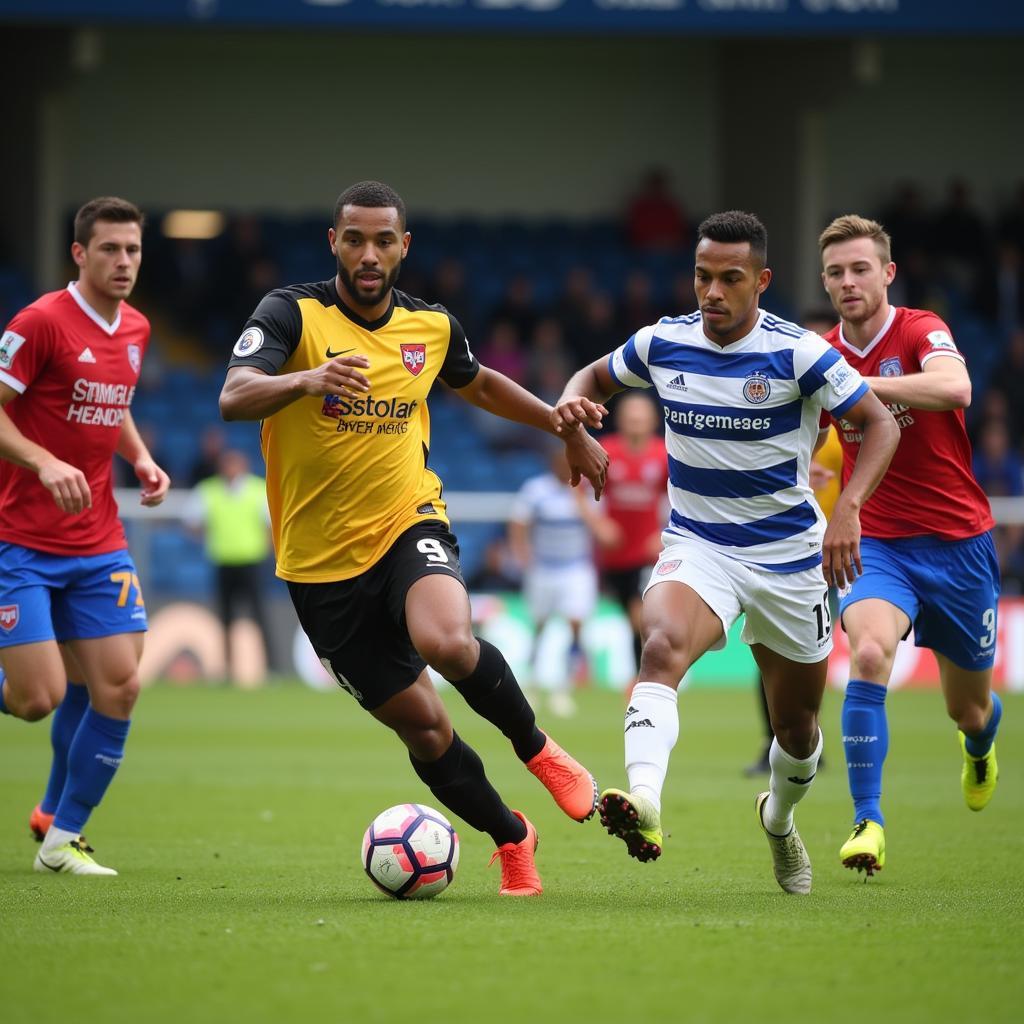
(624, 584)
(357, 626)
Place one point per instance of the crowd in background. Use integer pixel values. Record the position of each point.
(538, 300)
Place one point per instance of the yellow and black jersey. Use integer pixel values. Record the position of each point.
(346, 476)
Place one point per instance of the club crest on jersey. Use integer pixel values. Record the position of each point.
(251, 340)
(670, 566)
(9, 616)
(890, 367)
(9, 345)
(414, 357)
(135, 358)
(756, 388)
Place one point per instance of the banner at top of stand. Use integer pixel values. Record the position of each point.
(706, 17)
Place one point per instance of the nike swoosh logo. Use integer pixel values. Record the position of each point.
(802, 782)
(334, 355)
(50, 866)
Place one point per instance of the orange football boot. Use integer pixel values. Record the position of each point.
(518, 871)
(572, 786)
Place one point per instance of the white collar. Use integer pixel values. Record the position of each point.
(91, 313)
(861, 352)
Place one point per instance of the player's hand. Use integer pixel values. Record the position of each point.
(840, 551)
(339, 376)
(155, 482)
(573, 411)
(67, 486)
(586, 458)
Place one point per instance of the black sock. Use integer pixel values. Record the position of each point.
(458, 781)
(492, 692)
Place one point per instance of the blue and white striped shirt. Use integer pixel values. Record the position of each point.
(740, 426)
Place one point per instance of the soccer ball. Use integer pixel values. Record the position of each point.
(410, 851)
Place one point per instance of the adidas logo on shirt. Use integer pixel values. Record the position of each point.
(87, 356)
(677, 383)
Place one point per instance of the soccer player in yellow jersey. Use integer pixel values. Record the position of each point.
(339, 372)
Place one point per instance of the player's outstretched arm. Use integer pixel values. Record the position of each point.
(841, 563)
(66, 483)
(251, 394)
(496, 393)
(582, 397)
(130, 446)
(943, 383)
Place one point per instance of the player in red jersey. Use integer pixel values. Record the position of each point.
(927, 550)
(70, 601)
(634, 496)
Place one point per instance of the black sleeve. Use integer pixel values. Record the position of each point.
(271, 334)
(460, 365)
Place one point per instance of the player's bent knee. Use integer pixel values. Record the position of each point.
(427, 744)
(872, 661)
(33, 708)
(969, 720)
(663, 655)
(798, 736)
(117, 699)
(454, 656)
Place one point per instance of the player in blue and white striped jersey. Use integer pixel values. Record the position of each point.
(742, 394)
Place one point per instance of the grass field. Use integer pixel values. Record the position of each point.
(236, 823)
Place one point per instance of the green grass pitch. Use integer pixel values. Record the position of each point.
(236, 822)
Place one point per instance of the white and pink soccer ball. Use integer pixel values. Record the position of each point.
(411, 851)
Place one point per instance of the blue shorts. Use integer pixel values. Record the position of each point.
(64, 597)
(948, 589)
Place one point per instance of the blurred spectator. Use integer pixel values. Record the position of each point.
(1010, 222)
(1007, 307)
(124, 472)
(906, 220)
(1000, 472)
(571, 306)
(961, 238)
(212, 444)
(636, 308)
(498, 571)
(231, 510)
(448, 287)
(683, 298)
(517, 306)
(503, 352)
(1008, 380)
(600, 333)
(549, 365)
(654, 218)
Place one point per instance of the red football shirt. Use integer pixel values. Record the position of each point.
(633, 496)
(929, 487)
(75, 375)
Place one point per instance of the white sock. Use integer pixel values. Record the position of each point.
(785, 793)
(57, 837)
(652, 728)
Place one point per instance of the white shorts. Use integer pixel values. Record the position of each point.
(788, 612)
(569, 591)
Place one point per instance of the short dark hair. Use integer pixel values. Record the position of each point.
(737, 226)
(371, 194)
(109, 208)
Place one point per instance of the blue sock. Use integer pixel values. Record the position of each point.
(94, 757)
(63, 727)
(3, 706)
(980, 743)
(866, 742)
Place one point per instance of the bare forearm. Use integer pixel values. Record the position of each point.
(931, 391)
(495, 393)
(585, 383)
(255, 395)
(130, 445)
(881, 437)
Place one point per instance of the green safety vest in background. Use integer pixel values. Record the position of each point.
(236, 520)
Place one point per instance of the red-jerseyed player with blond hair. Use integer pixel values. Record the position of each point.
(70, 602)
(927, 550)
